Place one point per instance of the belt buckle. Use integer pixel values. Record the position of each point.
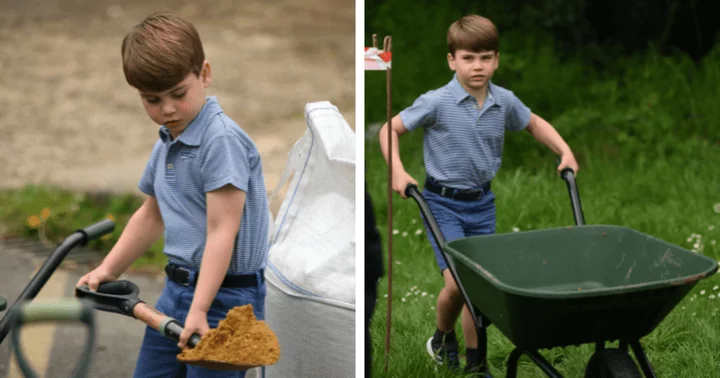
(480, 194)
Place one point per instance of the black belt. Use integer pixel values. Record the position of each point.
(181, 276)
(454, 193)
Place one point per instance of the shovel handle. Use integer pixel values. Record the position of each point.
(167, 326)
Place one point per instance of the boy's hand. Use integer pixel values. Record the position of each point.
(96, 277)
(196, 322)
(567, 160)
(401, 180)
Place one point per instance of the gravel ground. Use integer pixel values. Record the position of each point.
(69, 118)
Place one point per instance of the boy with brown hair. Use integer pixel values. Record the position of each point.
(465, 123)
(206, 192)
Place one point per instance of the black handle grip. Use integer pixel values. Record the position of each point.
(97, 230)
(568, 175)
(119, 297)
(173, 330)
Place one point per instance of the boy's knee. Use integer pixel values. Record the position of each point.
(452, 290)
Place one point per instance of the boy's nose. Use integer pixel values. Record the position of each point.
(168, 108)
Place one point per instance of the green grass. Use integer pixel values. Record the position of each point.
(647, 137)
(61, 212)
(670, 199)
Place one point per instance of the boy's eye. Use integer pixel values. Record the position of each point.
(153, 100)
(179, 95)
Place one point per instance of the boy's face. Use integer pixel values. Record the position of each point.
(474, 69)
(178, 106)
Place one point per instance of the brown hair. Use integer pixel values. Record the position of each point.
(160, 52)
(473, 33)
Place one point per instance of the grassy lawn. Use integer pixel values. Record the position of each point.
(673, 199)
(50, 214)
(646, 134)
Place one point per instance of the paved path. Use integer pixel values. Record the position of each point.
(53, 349)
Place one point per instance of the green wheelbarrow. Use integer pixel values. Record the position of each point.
(570, 286)
(26, 310)
(54, 310)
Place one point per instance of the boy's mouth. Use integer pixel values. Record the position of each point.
(169, 123)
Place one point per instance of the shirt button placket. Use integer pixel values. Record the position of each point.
(170, 171)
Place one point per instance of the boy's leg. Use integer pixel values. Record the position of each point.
(479, 219)
(157, 357)
(449, 301)
(226, 299)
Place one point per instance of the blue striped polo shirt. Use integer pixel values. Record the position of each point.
(463, 145)
(211, 152)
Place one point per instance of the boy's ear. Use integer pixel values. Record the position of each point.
(451, 61)
(206, 74)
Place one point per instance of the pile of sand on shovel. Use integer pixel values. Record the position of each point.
(239, 342)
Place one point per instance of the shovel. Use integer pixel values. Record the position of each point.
(122, 297)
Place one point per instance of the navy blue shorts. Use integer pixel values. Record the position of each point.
(459, 219)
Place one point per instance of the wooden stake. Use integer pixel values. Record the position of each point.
(386, 47)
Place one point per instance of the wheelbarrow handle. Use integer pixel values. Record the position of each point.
(77, 239)
(97, 230)
(568, 175)
(412, 191)
(53, 311)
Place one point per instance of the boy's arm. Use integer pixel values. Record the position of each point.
(547, 135)
(142, 230)
(400, 177)
(224, 210)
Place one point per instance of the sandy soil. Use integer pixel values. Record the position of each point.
(68, 117)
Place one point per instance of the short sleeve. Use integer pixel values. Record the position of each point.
(518, 115)
(420, 114)
(225, 161)
(147, 181)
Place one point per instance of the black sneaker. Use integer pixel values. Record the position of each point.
(476, 371)
(444, 352)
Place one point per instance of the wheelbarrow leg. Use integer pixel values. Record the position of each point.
(623, 345)
(642, 359)
(481, 329)
(513, 363)
(538, 359)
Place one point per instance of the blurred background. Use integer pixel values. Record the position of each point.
(631, 85)
(71, 119)
(71, 122)
(75, 137)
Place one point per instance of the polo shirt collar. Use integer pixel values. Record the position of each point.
(459, 93)
(192, 134)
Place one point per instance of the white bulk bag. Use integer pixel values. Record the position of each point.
(310, 301)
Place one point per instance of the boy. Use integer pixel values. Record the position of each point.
(205, 190)
(464, 123)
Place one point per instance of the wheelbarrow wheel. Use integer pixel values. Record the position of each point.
(612, 363)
